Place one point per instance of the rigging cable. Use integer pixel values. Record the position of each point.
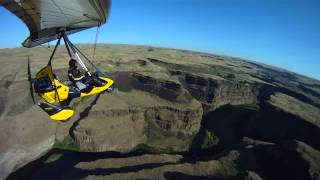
(95, 42)
(92, 64)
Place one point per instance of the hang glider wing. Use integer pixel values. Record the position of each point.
(45, 18)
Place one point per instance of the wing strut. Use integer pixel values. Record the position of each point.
(101, 73)
(73, 53)
(49, 64)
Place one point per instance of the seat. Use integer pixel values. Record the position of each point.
(43, 85)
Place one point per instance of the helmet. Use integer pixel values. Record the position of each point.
(72, 62)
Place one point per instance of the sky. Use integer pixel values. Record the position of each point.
(283, 33)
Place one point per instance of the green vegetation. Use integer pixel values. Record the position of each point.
(144, 148)
(153, 132)
(7, 84)
(209, 141)
(156, 136)
(67, 144)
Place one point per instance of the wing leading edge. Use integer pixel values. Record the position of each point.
(45, 18)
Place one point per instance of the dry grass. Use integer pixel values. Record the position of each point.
(294, 106)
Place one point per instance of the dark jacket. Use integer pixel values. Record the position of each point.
(73, 72)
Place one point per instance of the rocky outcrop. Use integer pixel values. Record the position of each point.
(110, 130)
(214, 93)
(168, 99)
(165, 89)
(25, 131)
(123, 129)
(175, 120)
(18, 156)
(288, 159)
(169, 90)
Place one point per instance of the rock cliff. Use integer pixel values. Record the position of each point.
(215, 117)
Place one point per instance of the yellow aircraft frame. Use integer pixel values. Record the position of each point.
(57, 95)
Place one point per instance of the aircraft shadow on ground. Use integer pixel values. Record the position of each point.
(83, 115)
(265, 123)
(66, 165)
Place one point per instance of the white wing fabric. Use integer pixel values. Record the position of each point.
(45, 18)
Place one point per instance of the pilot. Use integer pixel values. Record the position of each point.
(80, 80)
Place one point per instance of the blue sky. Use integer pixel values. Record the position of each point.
(284, 33)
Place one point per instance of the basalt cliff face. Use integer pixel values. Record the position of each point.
(175, 111)
(199, 115)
